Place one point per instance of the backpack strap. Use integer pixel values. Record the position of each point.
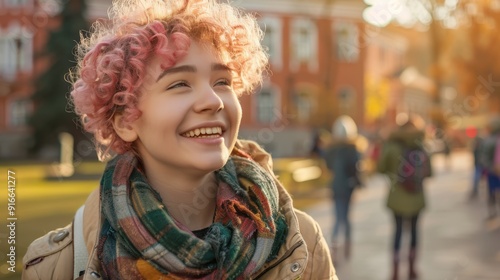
(80, 254)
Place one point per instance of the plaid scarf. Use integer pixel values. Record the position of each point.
(140, 240)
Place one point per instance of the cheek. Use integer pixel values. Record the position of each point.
(236, 110)
(239, 113)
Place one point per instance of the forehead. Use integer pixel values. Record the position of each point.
(201, 56)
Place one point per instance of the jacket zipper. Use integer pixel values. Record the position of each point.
(284, 257)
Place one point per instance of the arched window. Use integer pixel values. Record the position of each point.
(16, 51)
(272, 28)
(347, 41)
(304, 43)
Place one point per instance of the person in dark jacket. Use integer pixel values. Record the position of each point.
(342, 159)
(478, 167)
(490, 160)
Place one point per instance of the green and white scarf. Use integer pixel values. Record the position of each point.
(140, 240)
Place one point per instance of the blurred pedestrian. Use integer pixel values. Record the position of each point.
(490, 159)
(406, 163)
(181, 196)
(342, 158)
(478, 166)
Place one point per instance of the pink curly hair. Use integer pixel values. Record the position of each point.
(112, 61)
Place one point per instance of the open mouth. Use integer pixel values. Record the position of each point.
(204, 132)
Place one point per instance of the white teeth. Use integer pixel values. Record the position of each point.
(205, 132)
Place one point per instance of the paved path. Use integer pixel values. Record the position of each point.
(456, 242)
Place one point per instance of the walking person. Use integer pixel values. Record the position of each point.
(490, 159)
(181, 196)
(477, 145)
(342, 158)
(407, 164)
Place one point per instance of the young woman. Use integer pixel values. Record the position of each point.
(181, 198)
(407, 164)
(342, 158)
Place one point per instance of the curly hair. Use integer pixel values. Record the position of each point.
(112, 60)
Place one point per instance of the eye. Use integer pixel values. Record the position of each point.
(223, 82)
(179, 84)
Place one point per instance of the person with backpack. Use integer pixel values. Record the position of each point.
(342, 158)
(407, 164)
(180, 197)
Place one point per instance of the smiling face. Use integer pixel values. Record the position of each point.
(190, 115)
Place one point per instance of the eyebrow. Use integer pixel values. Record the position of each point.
(220, 67)
(192, 69)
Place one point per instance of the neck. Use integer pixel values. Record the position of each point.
(191, 200)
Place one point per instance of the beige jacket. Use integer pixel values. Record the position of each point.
(305, 254)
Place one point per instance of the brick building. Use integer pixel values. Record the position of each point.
(317, 55)
(22, 32)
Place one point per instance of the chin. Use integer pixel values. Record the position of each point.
(212, 164)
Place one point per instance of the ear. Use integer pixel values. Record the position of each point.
(124, 130)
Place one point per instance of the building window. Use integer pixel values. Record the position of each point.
(304, 44)
(16, 3)
(304, 107)
(347, 41)
(16, 52)
(272, 29)
(18, 112)
(267, 105)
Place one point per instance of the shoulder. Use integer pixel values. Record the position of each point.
(308, 226)
(51, 256)
(310, 230)
(319, 262)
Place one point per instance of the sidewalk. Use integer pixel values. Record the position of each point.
(456, 242)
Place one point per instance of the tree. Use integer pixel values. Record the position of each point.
(51, 115)
(463, 44)
(478, 70)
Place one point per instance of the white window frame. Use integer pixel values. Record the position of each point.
(275, 49)
(273, 105)
(347, 47)
(304, 48)
(18, 112)
(13, 59)
(26, 52)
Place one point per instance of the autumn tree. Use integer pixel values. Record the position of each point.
(51, 115)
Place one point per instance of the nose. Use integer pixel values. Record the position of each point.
(208, 101)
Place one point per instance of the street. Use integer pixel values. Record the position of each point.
(456, 240)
